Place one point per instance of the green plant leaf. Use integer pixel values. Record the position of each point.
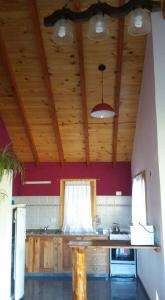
(8, 162)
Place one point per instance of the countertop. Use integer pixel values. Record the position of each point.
(110, 244)
(59, 233)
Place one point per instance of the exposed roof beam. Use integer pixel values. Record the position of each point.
(119, 60)
(43, 61)
(10, 72)
(79, 40)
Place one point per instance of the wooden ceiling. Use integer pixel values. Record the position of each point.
(47, 91)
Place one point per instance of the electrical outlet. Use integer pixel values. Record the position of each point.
(119, 193)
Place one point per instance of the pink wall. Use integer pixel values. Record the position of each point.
(109, 179)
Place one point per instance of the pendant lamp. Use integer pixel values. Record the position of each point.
(98, 27)
(139, 22)
(63, 31)
(102, 110)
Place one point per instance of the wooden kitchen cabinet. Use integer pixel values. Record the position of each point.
(43, 254)
(29, 254)
(97, 261)
(52, 254)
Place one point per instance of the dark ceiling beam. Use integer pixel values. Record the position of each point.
(79, 41)
(117, 88)
(105, 8)
(43, 62)
(10, 72)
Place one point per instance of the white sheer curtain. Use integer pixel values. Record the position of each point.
(139, 200)
(77, 207)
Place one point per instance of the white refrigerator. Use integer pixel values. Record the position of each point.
(18, 251)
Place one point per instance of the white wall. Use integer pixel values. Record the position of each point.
(5, 237)
(151, 267)
(159, 68)
(45, 210)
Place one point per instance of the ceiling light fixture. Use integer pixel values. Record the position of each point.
(102, 110)
(97, 14)
(139, 22)
(37, 182)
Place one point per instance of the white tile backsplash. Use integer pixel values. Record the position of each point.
(122, 200)
(45, 210)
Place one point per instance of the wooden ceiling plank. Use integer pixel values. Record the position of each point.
(79, 40)
(10, 72)
(117, 87)
(43, 61)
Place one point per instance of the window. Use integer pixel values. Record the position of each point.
(139, 199)
(78, 205)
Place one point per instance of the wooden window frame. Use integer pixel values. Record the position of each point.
(93, 197)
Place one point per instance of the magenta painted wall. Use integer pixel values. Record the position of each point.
(109, 178)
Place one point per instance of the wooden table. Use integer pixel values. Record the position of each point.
(79, 282)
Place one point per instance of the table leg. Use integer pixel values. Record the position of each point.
(79, 282)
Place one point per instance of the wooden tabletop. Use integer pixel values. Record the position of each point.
(110, 244)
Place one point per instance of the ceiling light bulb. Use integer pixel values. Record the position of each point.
(139, 23)
(98, 27)
(63, 31)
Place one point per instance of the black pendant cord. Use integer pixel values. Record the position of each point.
(102, 85)
(102, 68)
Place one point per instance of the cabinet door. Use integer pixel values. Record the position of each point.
(97, 259)
(50, 254)
(29, 255)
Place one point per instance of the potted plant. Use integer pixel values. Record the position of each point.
(8, 162)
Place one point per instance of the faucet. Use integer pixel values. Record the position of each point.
(46, 228)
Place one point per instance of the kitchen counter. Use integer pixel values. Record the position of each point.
(110, 244)
(48, 251)
(59, 233)
(79, 250)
